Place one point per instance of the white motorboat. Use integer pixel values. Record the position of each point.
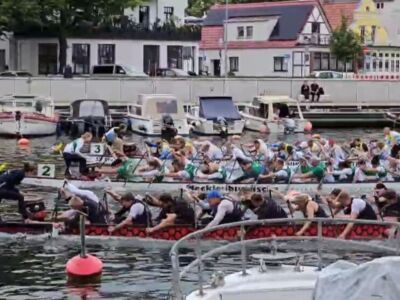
(153, 113)
(27, 115)
(283, 275)
(216, 116)
(273, 113)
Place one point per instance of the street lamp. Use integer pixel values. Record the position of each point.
(226, 45)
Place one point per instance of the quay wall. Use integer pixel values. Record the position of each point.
(121, 91)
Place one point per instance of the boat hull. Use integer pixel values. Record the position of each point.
(206, 127)
(357, 189)
(152, 128)
(254, 124)
(173, 233)
(28, 126)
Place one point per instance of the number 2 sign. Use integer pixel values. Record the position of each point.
(46, 170)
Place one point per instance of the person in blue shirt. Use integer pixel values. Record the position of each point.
(9, 181)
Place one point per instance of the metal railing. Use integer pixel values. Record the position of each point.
(314, 39)
(178, 273)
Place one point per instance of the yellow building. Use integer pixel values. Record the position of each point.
(380, 56)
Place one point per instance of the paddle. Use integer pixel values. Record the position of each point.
(55, 210)
(137, 165)
(105, 203)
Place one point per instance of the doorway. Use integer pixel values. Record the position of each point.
(216, 63)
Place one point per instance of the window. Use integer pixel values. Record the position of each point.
(48, 59)
(317, 61)
(373, 33)
(249, 32)
(325, 61)
(234, 64)
(103, 70)
(362, 34)
(144, 19)
(175, 57)
(106, 54)
(81, 58)
(280, 64)
(168, 12)
(315, 27)
(240, 32)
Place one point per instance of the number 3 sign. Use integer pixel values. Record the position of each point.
(96, 149)
(46, 170)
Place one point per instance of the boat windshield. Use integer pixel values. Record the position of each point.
(23, 103)
(167, 107)
(212, 108)
(91, 108)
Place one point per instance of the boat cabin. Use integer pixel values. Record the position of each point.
(27, 104)
(216, 108)
(157, 106)
(271, 107)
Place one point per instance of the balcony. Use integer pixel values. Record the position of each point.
(315, 39)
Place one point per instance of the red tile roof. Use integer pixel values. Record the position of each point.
(210, 37)
(335, 11)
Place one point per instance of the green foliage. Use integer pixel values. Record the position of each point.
(345, 43)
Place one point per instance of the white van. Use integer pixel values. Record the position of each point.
(117, 70)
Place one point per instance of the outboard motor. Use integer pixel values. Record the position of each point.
(168, 130)
(289, 125)
(222, 125)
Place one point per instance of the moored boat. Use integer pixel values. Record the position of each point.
(91, 115)
(273, 112)
(27, 115)
(153, 113)
(216, 116)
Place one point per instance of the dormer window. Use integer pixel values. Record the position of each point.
(240, 32)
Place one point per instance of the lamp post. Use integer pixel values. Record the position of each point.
(226, 46)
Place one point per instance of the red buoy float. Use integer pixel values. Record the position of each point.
(87, 266)
(84, 268)
(23, 142)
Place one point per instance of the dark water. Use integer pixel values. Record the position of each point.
(33, 267)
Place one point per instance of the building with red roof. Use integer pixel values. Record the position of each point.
(279, 39)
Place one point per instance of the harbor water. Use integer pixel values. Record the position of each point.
(34, 267)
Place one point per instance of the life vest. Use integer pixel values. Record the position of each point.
(145, 218)
(234, 216)
(256, 167)
(191, 170)
(270, 210)
(367, 213)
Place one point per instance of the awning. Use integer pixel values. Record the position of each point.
(212, 108)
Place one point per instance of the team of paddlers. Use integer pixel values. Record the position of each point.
(314, 160)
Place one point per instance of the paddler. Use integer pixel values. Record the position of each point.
(212, 171)
(280, 173)
(173, 212)
(114, 143)
(209, 150)
(391, 137)
(315, 171)
(139, 212)
(9, 181)
(251, 171)
(356, 208)
(223, 209)
(264, 208)
(389, 203)
(72, 153)
(308, 207)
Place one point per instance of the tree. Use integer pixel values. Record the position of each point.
(61, 17)
(345, 44)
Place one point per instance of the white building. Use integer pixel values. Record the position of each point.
(279, 39)
(150, 11)
(40, 55)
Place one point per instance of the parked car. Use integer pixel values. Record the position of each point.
(117, 70)
(326, 74)
(15, 74)
(172, 72)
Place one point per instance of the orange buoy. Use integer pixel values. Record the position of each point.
(23, 142)
(87, 266)
(308, 127)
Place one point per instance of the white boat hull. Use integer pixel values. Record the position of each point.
(153, 127)
(356, 189)
(208, 127)
(254, 124)
(27, 127)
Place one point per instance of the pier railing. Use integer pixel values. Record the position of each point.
(178, 273)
